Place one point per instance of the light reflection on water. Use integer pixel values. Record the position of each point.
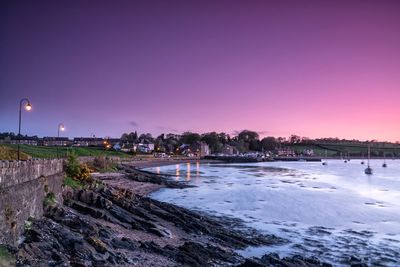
(332, 211)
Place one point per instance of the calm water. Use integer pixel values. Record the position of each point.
(331, 212)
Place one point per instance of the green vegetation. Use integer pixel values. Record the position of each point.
(10, 153)
(6, 258)
(50, 199)
(73, 183)
(103, 164)
(28, 223)
(356, 150)
(51, 152)
(77, 174)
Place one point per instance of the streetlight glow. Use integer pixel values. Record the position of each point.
(28, 106)
(60, 127)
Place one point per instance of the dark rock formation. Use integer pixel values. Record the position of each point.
(104, 225)
(107, 226)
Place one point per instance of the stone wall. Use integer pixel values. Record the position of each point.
(23, 187)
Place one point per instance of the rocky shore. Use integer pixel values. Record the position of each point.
(112, 222)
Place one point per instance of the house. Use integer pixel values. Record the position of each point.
(117, 147)
(144, 148)
(285, 152)
(24, 140)
(308, 152)
(55, 141)
(88, 141)
(199, 149)
(229, 150)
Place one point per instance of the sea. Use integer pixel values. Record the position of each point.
(334, 212)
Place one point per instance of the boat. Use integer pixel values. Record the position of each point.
(326, 156)
(384, 165)
(368, 170)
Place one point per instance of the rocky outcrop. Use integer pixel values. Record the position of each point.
(149, 177)
(107, 226)
(273, 259)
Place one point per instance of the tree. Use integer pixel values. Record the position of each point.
(190, 138)
(131, 137)
(146, 137)
(248, 136)
(213, 140)
(269, 143)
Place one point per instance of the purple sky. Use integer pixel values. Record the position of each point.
(313, 68)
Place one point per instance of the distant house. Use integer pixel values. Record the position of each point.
(285, 152)
(88, 141)
(117, 147)
(25, 140)
(55, 141)
(308, 152)
(144, 148)
(229, 150)
(199, 149)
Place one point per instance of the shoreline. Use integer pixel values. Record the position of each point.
(143, 164)
(114, 222)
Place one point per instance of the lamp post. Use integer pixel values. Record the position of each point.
(60, 127)
(28, 107)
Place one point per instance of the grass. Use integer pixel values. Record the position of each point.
(9, 153)
(344, 149)
(6, 258)
(73, 183)
(51, 152)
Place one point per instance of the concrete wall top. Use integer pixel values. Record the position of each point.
(17, 172)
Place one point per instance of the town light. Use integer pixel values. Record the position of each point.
(28, 107)
(60, 127)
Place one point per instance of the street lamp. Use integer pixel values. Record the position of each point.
(60, 127)
(28, 107)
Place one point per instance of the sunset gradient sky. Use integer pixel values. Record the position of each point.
(312, 68)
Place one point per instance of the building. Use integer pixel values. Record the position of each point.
(285, 152)
(199, 149)
(88, 141)
(229, 150)
(144, 148)
(308, 152)
(56, 141)
(24, 140)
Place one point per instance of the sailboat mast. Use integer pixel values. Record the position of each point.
(369, 153)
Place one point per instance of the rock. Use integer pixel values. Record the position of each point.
(252, 263)
(100, 226)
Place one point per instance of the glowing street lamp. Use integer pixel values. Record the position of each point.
(60, 127)
(28, 107)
